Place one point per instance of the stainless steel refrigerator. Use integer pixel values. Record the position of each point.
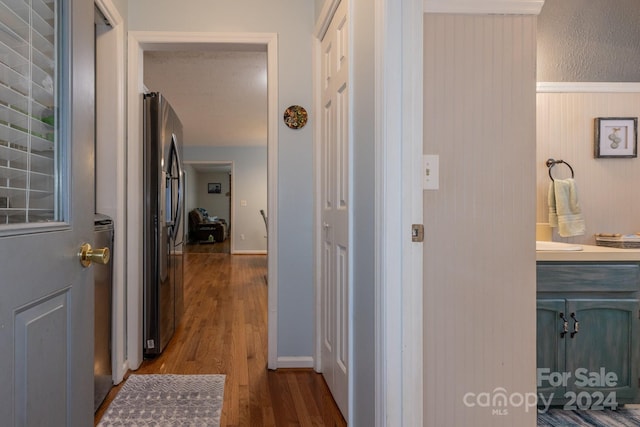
(163, 215)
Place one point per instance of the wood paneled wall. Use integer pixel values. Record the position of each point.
(479, 260)
(607, 188)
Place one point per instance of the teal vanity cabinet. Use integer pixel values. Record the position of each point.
(588, 321)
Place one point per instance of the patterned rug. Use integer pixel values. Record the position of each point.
(606, 418)
(167, 400)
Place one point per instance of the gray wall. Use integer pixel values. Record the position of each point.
(293, 21)
(121, 5)
(318, 7)
(589, 41)
(216, 204)
(191, 186)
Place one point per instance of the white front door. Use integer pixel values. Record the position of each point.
(335, 209)
(46, 212)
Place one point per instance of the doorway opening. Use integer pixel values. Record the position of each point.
(209, 204)
(139, 43)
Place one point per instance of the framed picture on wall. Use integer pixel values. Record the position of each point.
(616, 137)
(214, 187)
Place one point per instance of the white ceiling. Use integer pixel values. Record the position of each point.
(220, 94)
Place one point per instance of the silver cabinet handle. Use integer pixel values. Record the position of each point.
(576, 325)
(565, 325)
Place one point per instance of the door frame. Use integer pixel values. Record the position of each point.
(113, 202)
(399, 277)
(139, 41)
(399, 150)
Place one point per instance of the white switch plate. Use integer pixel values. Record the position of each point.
(430, 171)
(243, 203)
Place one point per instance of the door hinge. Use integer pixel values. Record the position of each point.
(417, 233)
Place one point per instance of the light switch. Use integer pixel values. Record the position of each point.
(431, 171)
(243, 203)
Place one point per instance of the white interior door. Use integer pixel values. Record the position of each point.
(335, 210)
(46, 212)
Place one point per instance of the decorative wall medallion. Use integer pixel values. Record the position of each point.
(295, 117)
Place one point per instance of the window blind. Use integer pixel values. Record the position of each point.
(28, 122)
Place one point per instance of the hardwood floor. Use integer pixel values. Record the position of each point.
(224, 331)
(209, 248)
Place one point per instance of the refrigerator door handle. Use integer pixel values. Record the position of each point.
(175, 156)
(162, 230)
(179, 215)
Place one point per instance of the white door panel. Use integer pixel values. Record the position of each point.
(46, 212)
(335, 213)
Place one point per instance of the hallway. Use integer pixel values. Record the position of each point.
(224, 331)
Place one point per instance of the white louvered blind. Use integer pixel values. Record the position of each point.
(28, 122)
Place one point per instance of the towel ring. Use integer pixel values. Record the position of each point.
(552, 162)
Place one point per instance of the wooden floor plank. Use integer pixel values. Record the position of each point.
(224, 331)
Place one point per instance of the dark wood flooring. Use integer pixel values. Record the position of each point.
(224, 331)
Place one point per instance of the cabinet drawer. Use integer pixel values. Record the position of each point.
(585, 277)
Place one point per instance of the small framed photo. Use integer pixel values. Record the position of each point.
(214, 187)
(616, 137)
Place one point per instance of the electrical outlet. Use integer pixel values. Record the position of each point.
(242, 237)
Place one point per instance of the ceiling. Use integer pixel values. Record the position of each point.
(210, 167)
(220, 94)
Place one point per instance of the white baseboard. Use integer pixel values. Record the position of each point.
(119, 376)
(249, 252)
(285, 362)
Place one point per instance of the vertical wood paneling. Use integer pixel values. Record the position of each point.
(606, 187)
(479, 226)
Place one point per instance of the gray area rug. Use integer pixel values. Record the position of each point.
(167, 400)
(606, 418)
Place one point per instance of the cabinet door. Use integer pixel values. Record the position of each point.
(606, 342)
(550, 351)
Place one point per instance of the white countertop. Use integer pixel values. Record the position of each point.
(590, 253)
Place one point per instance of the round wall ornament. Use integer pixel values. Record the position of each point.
(295, 117)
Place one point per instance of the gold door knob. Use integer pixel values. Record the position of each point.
(88, 255)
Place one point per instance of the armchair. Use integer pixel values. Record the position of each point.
(203, 229)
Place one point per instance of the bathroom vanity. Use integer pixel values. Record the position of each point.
(588, 326)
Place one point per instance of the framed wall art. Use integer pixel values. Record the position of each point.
(616, 137)
(214, 187)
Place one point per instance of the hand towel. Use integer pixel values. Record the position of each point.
(551, 200)
(564, 208)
